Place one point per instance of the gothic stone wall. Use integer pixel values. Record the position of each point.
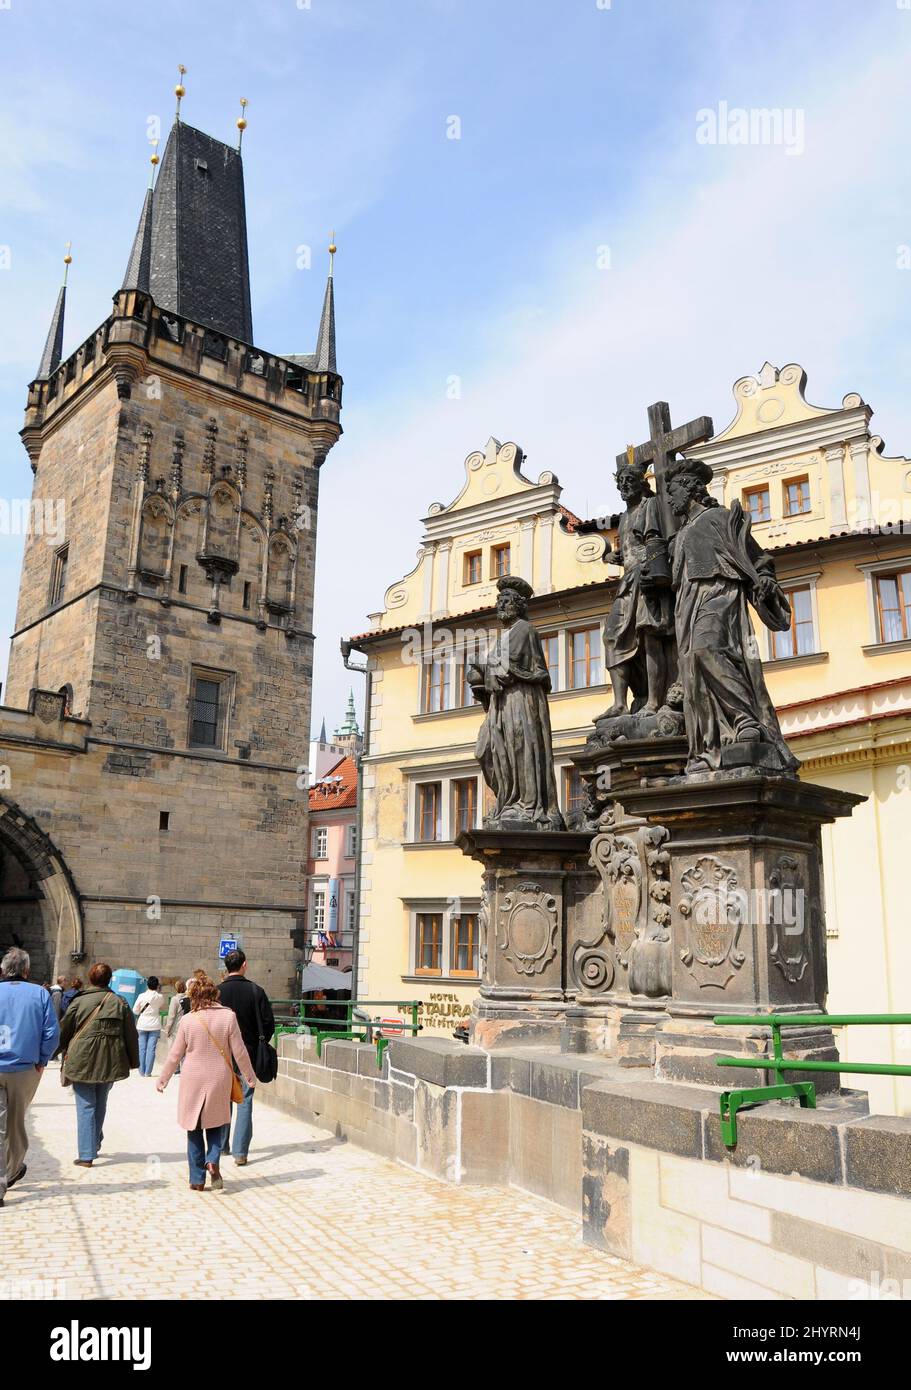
(237, 837)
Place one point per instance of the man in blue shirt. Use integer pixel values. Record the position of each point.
(29, 1033)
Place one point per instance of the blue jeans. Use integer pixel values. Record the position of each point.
(243, 1125)
(201, 1151)
(147, 1045)
(91, 1104)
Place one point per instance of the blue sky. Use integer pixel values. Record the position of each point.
(479, 257)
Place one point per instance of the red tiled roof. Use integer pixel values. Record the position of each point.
(335, 796)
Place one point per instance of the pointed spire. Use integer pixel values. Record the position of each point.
(140, 262)
(53, 347)
(199, 265)
(322, 732)
(324, 357)
(349, 725)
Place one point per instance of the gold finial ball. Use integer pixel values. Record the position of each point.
(241, 123)
(154, 159)
(180, 90)
(332, 248)
(67, 260)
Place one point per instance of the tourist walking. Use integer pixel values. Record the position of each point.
(69, 994)
(176, 1011)
(60, 984)
(28, 1037)
(148, 1024)
(255, 1019)
(99, 1046)
(207, 1045)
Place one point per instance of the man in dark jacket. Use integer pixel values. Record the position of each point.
(254, 1017)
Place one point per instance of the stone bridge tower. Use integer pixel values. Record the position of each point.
(172, 612)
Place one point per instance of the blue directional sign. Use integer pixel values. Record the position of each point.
(226, 944)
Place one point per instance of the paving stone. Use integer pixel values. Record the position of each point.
(302, 1190)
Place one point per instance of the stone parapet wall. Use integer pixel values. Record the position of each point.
(811, 1204)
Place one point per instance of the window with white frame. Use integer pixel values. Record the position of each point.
(573, 791)
(437, 685)
(350, 840)
(585, 649)
(442, 806)
(893, 605)
(321, 842)
(350, 909)
(429, 811)
(464, 946)
(550, 641)
(444, 938)
(464, 804)
(800, 638)
(318, 921)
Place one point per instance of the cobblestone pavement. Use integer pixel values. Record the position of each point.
(310, 1216)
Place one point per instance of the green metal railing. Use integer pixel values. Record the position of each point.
(804, 1091)
(348, 1028)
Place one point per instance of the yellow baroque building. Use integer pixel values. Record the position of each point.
(836, 512)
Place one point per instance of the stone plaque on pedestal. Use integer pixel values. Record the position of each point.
(524, 985)
(747, 919)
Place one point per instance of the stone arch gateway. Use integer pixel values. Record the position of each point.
(37, 892)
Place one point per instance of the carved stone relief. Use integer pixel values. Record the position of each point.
(787, 929)
(527, 928)
(636, 914)
(715, 910)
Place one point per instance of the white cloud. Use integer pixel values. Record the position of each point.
(754, 254)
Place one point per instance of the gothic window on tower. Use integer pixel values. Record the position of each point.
(59, 574)
(757, 502)
(210, 693)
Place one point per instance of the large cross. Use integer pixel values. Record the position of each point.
(663, 444)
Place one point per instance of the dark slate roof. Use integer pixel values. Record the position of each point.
(53, 348)
(325, 343)
(199, 265)
(323, 360)
(140, 262)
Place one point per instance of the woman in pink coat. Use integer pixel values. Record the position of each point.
(207, 1040)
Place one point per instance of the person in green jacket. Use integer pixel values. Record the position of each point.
(99, 1045)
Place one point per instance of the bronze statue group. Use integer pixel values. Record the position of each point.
(679, 632)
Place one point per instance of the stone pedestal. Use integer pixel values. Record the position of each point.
(746, 921)
(524, 983)
(619, 944)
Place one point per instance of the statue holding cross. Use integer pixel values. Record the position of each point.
(639, 646)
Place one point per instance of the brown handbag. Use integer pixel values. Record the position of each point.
(64, 1079)
(237, 1090)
